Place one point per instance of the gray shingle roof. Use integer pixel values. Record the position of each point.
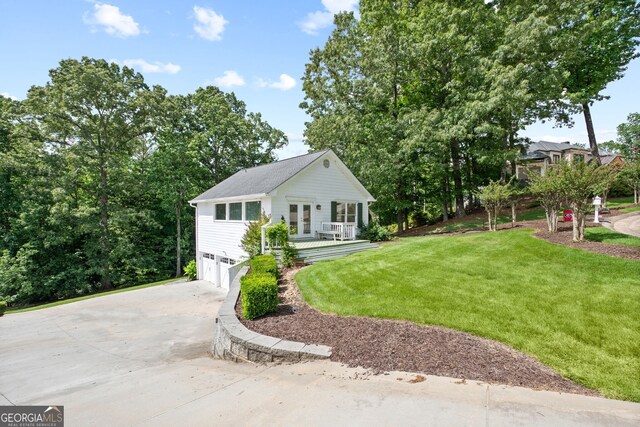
(552, 146)
(260, 179)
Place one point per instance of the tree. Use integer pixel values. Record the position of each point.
(175, 173)
(580, 181)
(98, 112)
(630, 174)
(628, 141)
(494, 196)
(599, 39)
(548, 190)
(225, 137)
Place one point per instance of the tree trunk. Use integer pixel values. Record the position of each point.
(593, 145)
(576, 234)
(178, 238)
(457, 177)
(505, 145)
(547, 214)
(512, 144)
(490, 222)
(105, 243)
(635, 194)
(400, 221)
(554, 221)
(445, 199)
(513, 214)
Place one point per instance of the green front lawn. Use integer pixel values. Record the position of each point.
(575, 311)
(605, 235)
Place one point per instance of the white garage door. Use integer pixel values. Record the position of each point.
(209, 268)
(216, 271)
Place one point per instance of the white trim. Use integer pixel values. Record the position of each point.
(248, 197)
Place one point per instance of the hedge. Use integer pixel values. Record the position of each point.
(259, 292)
(3, 307)
(264, 264)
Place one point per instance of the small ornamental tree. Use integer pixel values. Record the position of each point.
(493, 197)
(580, 182)
(251, 242)
(547, 189)
(630, 175)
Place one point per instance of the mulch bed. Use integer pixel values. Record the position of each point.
(564, 236)
(387, 345)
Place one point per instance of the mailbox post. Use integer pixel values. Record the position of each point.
(597, 201)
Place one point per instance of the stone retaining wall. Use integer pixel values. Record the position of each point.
(233, 341)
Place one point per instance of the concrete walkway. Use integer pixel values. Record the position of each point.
(626, 224)
(140, 358)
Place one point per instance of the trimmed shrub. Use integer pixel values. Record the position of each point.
(3, 307)
(375, 232)
(191, 270)
(264, 264)
(259, 292)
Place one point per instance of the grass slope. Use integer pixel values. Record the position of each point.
(82, 298)
(573, 310)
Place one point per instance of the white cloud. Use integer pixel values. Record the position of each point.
(315, 21)
(335, 6)
(156, 67)
(229, 78)
(7, 95)
(285, 82)
(113, 21)
(210, 25)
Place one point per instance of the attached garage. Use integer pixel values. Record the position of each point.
(217, 269)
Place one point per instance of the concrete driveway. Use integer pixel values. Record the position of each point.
(626, 224)
(141, 358)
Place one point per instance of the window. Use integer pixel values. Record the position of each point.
(235, 211)
(345, 212)
(578, 157)
(556, 158)
(252, 211)
(293, 219)
(221, 211)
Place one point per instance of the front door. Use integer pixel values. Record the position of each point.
(300, 220)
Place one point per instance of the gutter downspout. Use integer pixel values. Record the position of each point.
(195, 232)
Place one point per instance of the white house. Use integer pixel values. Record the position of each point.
(315, 194)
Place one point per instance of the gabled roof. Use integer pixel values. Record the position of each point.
(552, 146)
(260, 179)
(605, 159)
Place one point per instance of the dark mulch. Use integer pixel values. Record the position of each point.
(564, 236)
(388, 345)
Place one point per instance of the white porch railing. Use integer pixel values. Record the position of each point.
(338, 230)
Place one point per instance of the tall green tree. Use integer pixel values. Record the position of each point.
(599, 39)
(225, 137)
(96, 111)
(628, 141)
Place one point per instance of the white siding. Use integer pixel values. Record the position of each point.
(318, 185)
(222, 237)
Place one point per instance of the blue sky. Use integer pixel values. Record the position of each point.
(255, 48)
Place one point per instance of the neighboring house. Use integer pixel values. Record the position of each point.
(612, 159)
(316, 195)
(541, 154)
